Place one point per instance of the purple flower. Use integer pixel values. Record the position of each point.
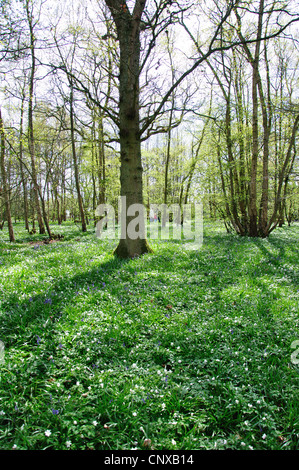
(38, 340)
(48, 301)
(55, 412)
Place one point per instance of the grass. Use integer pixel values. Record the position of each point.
(174, 350)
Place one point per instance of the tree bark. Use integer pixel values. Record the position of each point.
(283, 175)
(23, 179)
(74, 153)
(4, 182)
(128, 30)
(30, 120)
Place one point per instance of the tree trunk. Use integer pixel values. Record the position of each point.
(23, 179)
(253, 229)
(168, 146)
(74, 153)
(128, 29)
(167, 161)
(30, 120)
(242, 169)
(233, 177)
(254, 61)
(283, 175)
(267, 119)
(4, 182)
(102, 164)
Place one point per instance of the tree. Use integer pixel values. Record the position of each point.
(128, 25)
(31, 24)
(132, 89)
(128, 33)
(246, 126)
(4, 181)
(260, 224)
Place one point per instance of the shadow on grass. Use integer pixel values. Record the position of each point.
(25, 317)
(287, 254)
(215, 267)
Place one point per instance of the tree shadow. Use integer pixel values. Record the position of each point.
(283, 257)
(213, 268)
(30, 314)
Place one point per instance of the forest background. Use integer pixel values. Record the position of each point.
(217, 111)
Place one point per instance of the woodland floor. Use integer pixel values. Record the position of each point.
(173, 350)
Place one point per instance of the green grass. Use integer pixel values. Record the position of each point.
(190, 349)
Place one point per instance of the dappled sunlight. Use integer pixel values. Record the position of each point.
(174, 336)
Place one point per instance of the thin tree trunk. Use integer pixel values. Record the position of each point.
(102, 163)
(63, 194)
(254, 61)
(167, 161)
(233, 177)
(267, 118)
(31, 145)
(254, 158)
(75, 160)
(23, 179)
(168, 146)
(242, 169)
(284, 172)
(4, 182)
